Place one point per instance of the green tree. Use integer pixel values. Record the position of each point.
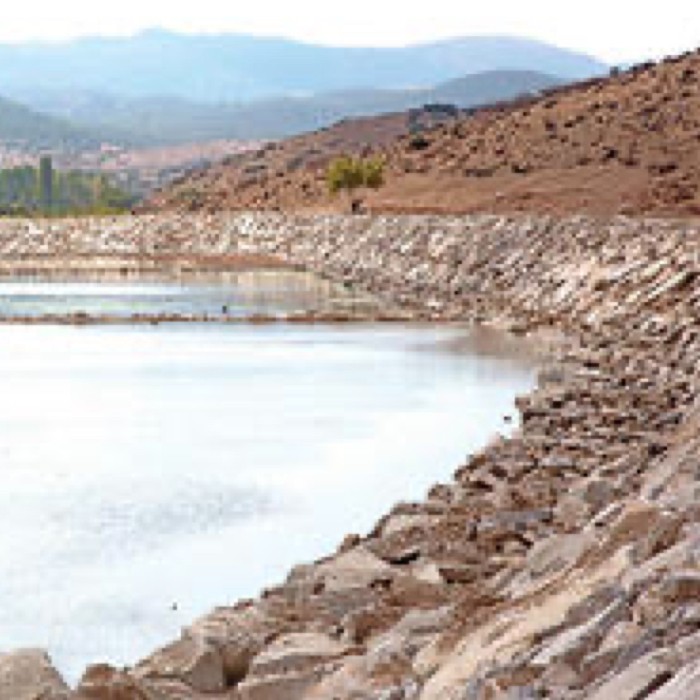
(350, 174)
(46, 183)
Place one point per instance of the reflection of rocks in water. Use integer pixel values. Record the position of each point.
(492, 342)
(205, 297)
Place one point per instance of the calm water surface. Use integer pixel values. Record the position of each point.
(151, 473)
(234, 294)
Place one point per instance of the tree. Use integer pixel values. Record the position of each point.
(46, 183)
(350, 174)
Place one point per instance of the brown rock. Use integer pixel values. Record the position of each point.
(637, 681)
(685, 685)
(192, 661)
(103, 682)
(29, 675)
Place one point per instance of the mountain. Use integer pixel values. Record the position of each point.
(172, 120)
(625, 144)
(230, 67)
(33, 131)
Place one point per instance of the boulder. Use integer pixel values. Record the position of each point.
(681, 587)
(635, 521)
(295, 652)
(290, 666)
(103, 682)
(574, 643)
(238, 634)
(192, 661)
(357, 568)
(685, 685)
(637, 681)
(290, 686)
(549, 558)
(29, 675)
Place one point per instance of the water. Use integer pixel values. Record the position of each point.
(150, 473)
(235, 295)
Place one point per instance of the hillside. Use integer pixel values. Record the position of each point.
(174, 120)
(230, 67)
(629, 143)
(34, 131)
(244, 180)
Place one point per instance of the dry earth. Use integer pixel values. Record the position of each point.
(627, 144)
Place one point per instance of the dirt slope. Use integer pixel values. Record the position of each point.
(628, 144)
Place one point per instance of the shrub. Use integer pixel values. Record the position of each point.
(349, 174)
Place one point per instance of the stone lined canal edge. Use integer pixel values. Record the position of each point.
(563, 562)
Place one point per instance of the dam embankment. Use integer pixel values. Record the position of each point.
(561, 562)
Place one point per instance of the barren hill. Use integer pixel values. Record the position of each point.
(629, 143)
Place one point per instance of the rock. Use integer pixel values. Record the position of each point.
(424, 622)
(633, 524)
(685, 685)
(288, 686)
(621, 635)
(357, 568)
(637, 681)
(290, 666)
(190, 660)
(681, 587)
(296, 652)
(238, 634)
(29, 675)
(549, 558)
(573, 643)
(103, 682)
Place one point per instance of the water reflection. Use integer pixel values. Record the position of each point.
(230, 294)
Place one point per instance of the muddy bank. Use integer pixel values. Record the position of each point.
(562, 562)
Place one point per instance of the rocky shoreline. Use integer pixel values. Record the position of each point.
(563, 562)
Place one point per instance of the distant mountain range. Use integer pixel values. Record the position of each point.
(161, 88)
(235, 68)
(171, 120)
(23, 127)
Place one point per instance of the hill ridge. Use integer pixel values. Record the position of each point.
(628, 143)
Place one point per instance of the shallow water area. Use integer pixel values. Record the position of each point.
(233, 295)
(152, 473)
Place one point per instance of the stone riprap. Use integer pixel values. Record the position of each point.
(562, 562)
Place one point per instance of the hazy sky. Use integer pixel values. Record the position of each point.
(615, 30)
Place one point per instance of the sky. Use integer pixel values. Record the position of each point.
(614, 30)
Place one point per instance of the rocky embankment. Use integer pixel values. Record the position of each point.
(563, 562)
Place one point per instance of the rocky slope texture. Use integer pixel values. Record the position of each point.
(626, 144)
(563, 562)
(250, 174)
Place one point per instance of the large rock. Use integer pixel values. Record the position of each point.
(192, 661)
(574, 643)
(296, 652)
(290, 666)
(685, 685)
(637, 681)
(238, 634)
(103, 682)
(29, 675)
(550, 558)
(357, 568)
